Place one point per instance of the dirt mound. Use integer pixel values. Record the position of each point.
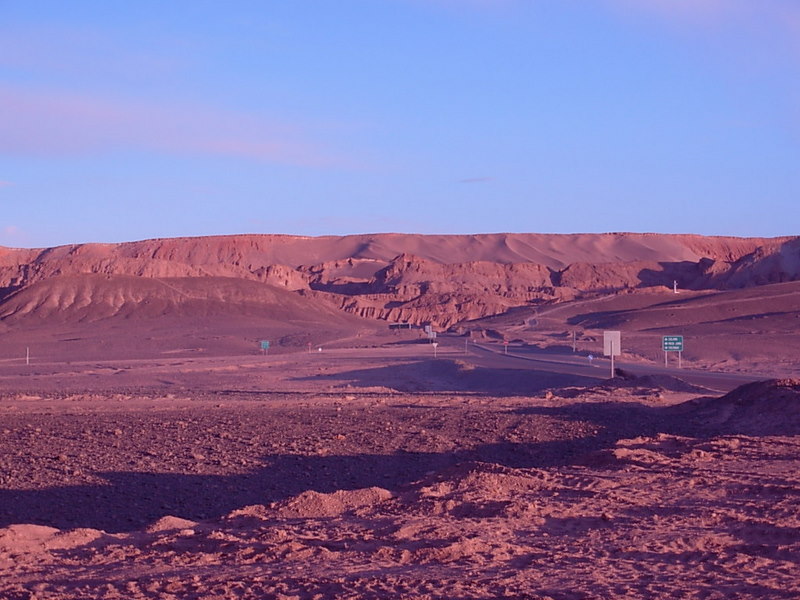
(26, 538)
(769, 407)
(668, 383)
(315, 505)
(170, 523)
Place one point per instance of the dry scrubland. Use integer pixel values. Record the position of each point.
(148, 451)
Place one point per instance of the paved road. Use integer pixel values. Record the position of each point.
(493, 355)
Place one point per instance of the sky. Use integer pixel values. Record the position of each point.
(126, 120)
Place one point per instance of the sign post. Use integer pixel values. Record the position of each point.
(265, 346)
(672, 343)
(505, 346)
(611, 346)
(435, 345)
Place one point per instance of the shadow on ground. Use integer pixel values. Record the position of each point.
(445, 375)
(132, 500)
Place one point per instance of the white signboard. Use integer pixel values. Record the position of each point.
(611, 343)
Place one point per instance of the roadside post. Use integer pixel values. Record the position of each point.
(611, 346)
(574, 341)
(265, 346)
(435, 345)
(672, 343)
(505, 346)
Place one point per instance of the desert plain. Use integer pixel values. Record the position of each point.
(150, 448)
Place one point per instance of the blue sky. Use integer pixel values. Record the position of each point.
(130, 120)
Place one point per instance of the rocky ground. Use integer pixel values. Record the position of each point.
(621, 490)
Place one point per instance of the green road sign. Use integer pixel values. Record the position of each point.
(672, 343)
(265, 345)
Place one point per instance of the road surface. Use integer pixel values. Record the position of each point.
(493, 356)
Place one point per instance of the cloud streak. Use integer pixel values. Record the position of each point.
(59, 123)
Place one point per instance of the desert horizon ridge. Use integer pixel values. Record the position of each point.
(454, 282)
(152, 448)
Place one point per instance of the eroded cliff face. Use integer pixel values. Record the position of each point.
(440, 279)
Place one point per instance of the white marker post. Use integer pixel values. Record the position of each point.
(505, 346)
(27, 355)
(574, 341)
(611, 346)
(435, 345)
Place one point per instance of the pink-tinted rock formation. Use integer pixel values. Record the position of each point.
(418, 278)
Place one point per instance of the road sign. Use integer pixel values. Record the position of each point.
(611, 343)
(264, 345)
(672, 343)
(612, 346)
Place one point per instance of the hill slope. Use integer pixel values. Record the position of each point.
(444, 279)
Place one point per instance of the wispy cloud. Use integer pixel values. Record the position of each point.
(476, 180)
(57, 122)
(5, 183)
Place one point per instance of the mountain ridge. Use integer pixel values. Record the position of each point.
(443, 279)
